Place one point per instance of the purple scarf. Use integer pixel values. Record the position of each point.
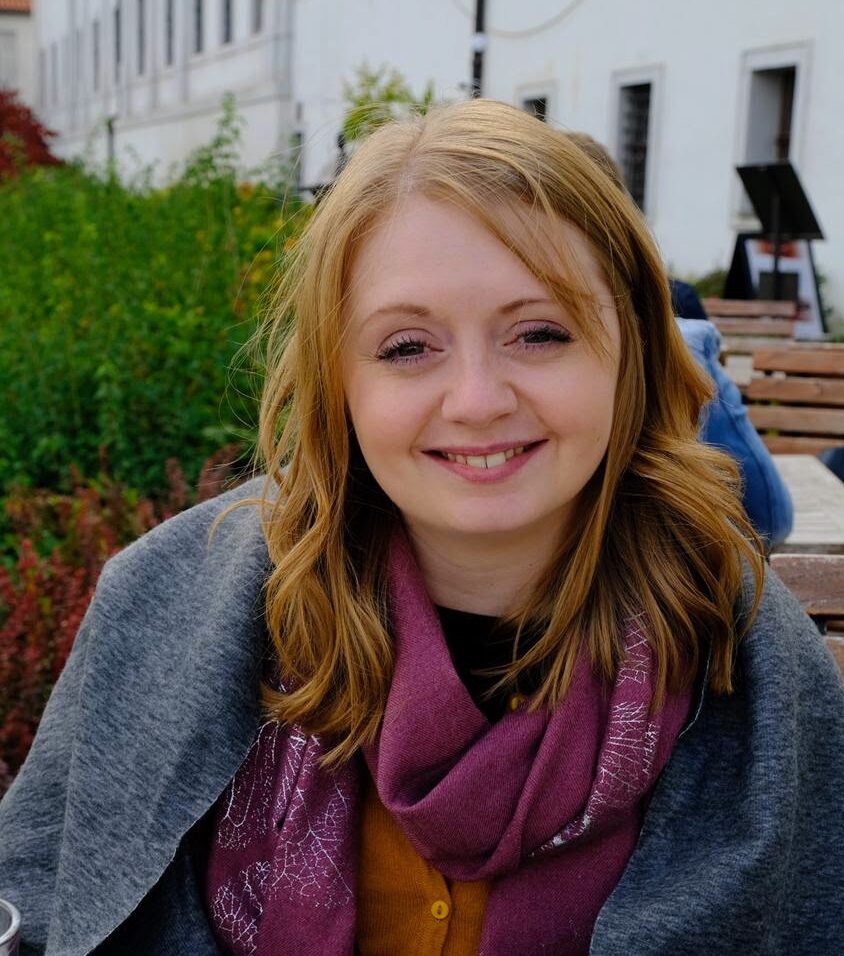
(547, 806)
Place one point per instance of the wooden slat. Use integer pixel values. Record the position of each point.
(798, 444)
(805, 391)
(803, 421)
(753, 308)
(827, 359)
(780, 328)
(817, 580)
(751, 344)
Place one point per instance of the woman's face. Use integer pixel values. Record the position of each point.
(478, 406)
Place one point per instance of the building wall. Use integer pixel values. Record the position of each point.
(17, 61)
(161, 110)
(699, 59)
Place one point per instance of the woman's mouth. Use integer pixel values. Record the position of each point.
(485, 462)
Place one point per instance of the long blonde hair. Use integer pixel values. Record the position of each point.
(660, 532)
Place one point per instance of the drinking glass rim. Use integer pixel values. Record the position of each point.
(15, 926)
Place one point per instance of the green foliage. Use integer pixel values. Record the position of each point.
(378, 96)
(122, 313)
(709, 285)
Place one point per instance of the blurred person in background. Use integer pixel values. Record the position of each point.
(724, 422)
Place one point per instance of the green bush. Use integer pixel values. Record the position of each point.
(122, 311)
(710, 284)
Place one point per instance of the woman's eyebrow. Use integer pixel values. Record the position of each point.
(517, 304)
(399, 308)
(408, 308)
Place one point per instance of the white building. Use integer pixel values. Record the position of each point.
(144, 78)
(682, 92)
(17, 61)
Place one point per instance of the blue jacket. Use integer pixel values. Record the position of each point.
(725, 424)
(741, 852)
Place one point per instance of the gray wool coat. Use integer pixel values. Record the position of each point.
(741, 852)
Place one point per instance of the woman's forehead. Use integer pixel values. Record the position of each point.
(429, 243)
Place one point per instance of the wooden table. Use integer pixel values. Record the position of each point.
(818, 498)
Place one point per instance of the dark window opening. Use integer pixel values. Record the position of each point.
(257, 16)
(142, 37)
(537, 106)
(169, 46)
(634, 123)
(770, 114)
(118, 50)
(228, 27)
(197, 26)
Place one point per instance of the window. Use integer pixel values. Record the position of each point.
(118, 51)
(42, 78)
(633, 129)
(142, 37)
(95, 54)
(169, 37)
(228, 31)
(771, 111)
(537, 106)
(78, 64)
(54, 74)
(257, 16)
(197, 26)
(772, 106)
(8, 59)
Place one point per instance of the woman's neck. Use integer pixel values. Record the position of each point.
(482, 574)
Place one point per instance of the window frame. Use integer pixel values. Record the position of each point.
(777, 57)
(652, 74)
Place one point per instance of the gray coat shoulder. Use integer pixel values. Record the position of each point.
(154, 712)
(742, 848)
(187, 558)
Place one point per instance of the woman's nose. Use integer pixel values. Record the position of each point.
(478, 392)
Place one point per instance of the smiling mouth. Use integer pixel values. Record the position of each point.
(486, 461)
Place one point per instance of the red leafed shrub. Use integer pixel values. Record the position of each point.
(63, 541)
(23, 140)
(43, 596)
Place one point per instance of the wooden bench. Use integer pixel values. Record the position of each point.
(817, 581)
(795, 397)
(746, 325)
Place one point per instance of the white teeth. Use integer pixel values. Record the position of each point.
(486, 461)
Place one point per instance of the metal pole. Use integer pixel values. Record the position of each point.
(110, 138)
(775, 225)
(478, 49)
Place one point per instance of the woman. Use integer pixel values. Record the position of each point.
(479, 431)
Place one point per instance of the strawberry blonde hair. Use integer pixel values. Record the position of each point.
(660, 530)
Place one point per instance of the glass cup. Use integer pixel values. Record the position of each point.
(10, 926)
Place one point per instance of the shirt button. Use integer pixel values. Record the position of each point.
(516, 701)
(440, 909)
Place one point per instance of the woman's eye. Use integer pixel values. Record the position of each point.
(402, 352)
(543, 335)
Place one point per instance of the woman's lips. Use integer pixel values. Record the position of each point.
(493, 464)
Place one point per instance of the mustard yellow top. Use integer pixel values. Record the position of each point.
(404, 905)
